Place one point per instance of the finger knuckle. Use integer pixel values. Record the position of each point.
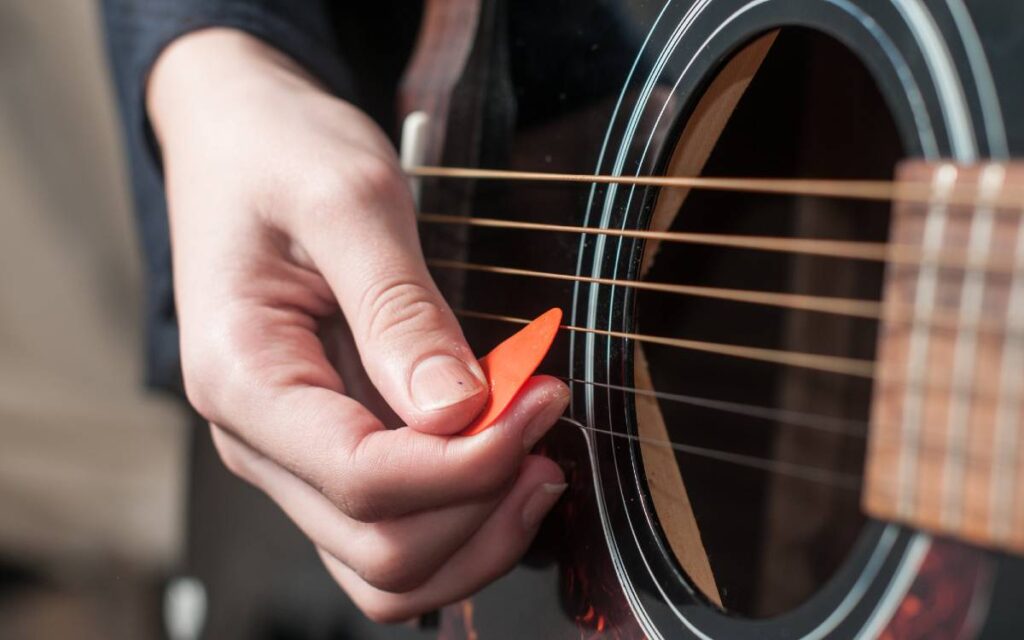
(383, 610)
(358, 497)
(393, 309)
(221, 371)
(200, 376)
(373, 177)
(235, 461)
(391, 568)
(361, 488)
(324, 200)
(329, 193)
(492, 470)
(363, 508)
(496, 477)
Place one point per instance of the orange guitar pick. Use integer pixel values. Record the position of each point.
(511, 364)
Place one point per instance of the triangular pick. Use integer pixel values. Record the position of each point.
(511, 364)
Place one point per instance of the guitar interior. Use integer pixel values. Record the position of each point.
(772, 538)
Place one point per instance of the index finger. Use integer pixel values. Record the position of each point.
(373, 473)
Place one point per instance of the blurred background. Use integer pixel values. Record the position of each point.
(92, 467)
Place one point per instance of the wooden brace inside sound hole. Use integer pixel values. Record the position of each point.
(689, 156)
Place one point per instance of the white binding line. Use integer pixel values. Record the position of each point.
(943, 71)
(988, 97)
(917, 352)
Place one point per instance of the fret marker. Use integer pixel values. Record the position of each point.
(511, 364)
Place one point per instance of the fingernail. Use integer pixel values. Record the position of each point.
(442, 381)
(538, 504)
(541, 422)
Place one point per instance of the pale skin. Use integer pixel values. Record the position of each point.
(288, 206)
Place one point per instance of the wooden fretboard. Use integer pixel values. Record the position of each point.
(947, 425)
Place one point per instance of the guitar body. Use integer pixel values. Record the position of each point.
(771, 88)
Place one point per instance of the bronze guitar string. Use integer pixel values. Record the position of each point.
(886, 253)
(831, 364)
(867, 309)
(842, 426)
(838, 306)
(836, 249)
(824, 423)
(873, 190)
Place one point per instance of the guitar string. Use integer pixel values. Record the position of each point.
(838, 479)
(873, 190)
(867, 309)
(904, 255)
(820, 422)
(786, 416)
(810, 473)
(806, 472)
(838, 306)
(832, 364)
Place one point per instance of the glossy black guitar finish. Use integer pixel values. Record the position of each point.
(848, 89)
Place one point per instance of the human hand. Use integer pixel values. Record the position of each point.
(286, 205)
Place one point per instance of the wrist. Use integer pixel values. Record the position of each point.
(211, 71)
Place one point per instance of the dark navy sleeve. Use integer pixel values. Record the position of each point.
(137, 31)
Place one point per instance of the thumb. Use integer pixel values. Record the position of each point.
(410, 342)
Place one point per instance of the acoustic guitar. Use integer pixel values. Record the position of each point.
(787, 239)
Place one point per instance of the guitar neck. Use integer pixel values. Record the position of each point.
(946, 434)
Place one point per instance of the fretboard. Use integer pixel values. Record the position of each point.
(947, 425)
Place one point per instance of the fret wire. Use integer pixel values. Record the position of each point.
(917, 355)
(982, 226)
(935, 501)
(1011, 389)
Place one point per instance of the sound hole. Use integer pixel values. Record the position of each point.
(772, 540)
